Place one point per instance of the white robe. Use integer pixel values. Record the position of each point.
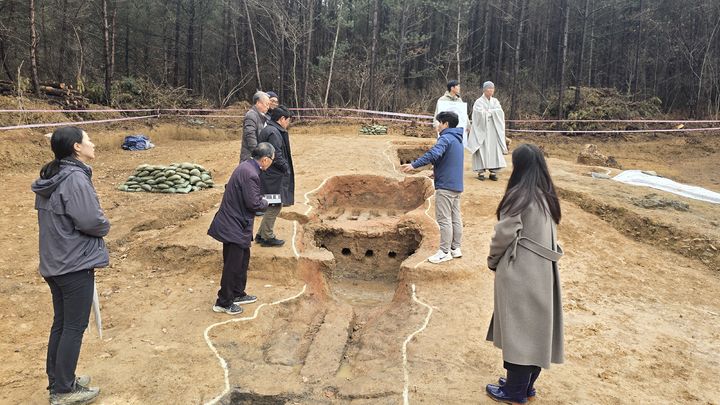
(486, 140)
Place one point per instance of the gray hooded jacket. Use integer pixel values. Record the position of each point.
(70, 220)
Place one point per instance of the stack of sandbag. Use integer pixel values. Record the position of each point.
(374, 129)
(176, 178)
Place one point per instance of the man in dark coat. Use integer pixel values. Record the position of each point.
(233, 226)
(254, 121)
(279, 178)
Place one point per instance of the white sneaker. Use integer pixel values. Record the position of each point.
(455, 253)
(440, 257)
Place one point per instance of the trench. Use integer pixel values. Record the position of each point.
(351, 325)
(407, 154)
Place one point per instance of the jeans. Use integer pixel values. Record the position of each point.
(447, 215)
(234, 276)
(72, 296)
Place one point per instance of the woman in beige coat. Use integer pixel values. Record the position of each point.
(527, 318)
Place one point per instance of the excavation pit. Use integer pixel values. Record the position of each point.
(362, 198)
(367, 263)
(407, 154)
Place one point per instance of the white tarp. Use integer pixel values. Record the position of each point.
(638, 178)
(461, 110)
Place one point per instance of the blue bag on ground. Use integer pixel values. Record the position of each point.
(137, 142)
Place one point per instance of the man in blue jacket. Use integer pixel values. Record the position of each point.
(447, 157)
(233, 226)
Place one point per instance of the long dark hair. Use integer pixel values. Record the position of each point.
(62, 143)
(529, 182)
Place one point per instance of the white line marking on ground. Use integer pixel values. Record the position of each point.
(406, 394)
(307, 200)
(222, 361)
(389, 144)
(297, 255)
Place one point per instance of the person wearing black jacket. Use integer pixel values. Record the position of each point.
(279, 178)
(233, 226)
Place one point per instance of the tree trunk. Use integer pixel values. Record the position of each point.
(106, 53)
(592, 51)
(33, 50)
(486, 38)
(332, 57)
(704, 62)
(176, 62)
(126, 56)
(501, 43)
(581, 54)
(294, 74)
(516, 63)
(372, 102)
(457, 39)
(60, 74)
(636, 65)
(562, 57)
(402, 35)
(190, 49)
(3, 57)
(308, 49)
(252, 38)
(79, 82)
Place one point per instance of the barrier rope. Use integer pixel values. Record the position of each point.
(325, 113)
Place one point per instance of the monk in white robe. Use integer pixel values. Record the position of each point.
(486, 140)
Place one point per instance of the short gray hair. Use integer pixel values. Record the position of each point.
(264, 149)
(259, 96)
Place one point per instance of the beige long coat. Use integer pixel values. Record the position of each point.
(527, 322)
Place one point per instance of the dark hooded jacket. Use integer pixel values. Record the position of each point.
(447, 158)
(71, 223)
(233, 223)
(279, 178)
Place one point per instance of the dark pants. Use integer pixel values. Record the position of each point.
(72, 296)
(234, 276)
(521, 373)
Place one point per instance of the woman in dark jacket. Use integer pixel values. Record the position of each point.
(527, 319)
(72, 226)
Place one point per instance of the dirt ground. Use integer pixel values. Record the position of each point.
(641, 287)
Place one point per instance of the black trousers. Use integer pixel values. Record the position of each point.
(234, 276)
(521, 374)
(72, 296)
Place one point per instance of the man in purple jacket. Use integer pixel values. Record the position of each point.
(233, 226)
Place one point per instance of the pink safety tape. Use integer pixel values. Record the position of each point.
(365, 111)
(81, 111)
(611, 131)
(640, 121)
(330, 117)
(58, 124)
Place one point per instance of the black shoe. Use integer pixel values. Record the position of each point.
(493, 177)
(501, 394)
(233, 309)
(530, 391)
(245, 299)
(481, 176)
(272, 242)
(259, 239)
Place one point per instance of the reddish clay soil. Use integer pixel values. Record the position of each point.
(641, 286)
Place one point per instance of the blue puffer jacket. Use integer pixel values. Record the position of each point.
(447, 158)
(71, 222)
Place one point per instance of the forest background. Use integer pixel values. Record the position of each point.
(380, 54)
